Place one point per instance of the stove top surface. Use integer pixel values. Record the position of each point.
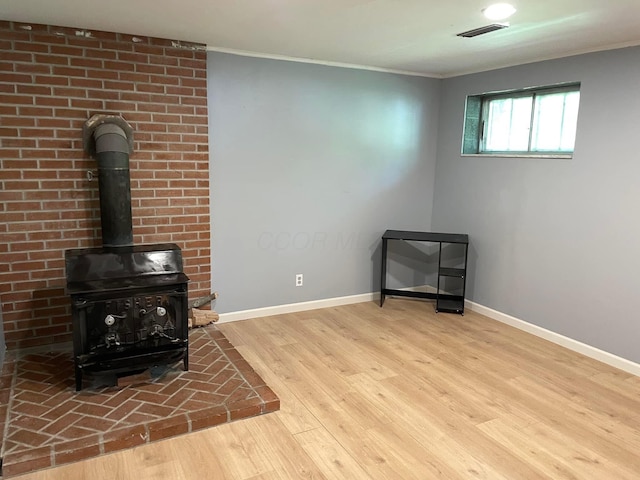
(129, 267)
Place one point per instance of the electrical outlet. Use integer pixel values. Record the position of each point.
(298, 279)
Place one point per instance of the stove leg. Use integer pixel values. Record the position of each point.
(185, 360)
(78, 379)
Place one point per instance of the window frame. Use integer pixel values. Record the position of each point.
(475, 121)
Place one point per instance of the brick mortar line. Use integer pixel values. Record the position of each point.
(94, 99)
(44, 149)
(14, 376)
(238, 371)
(59, 31)
(143, 122)
(102, 89)
(102, 68)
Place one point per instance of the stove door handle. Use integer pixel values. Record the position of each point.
(110, 319)
(160, 311)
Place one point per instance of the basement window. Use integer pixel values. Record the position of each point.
(537, 122)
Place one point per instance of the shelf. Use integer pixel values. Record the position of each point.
(409, 293)
(445, 302)
(452, 272)
(452, 306)
(426, 236)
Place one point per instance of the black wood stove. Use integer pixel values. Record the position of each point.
(129, 308)
(129, 303)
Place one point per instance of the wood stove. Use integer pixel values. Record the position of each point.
(129, 308)
(129, 303)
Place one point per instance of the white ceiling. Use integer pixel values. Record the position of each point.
(417, 36)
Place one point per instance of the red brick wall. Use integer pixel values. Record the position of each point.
(52, 80)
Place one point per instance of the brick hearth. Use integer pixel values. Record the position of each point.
(51, 424)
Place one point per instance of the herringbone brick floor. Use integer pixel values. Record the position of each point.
(47, 423)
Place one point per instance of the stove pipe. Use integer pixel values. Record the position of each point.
(109, 139)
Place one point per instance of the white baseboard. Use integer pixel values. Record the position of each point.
(311, 305)
(297, 307)
(571, 344)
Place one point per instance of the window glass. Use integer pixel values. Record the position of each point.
(554, 124)
(532, 121)
(507, 124)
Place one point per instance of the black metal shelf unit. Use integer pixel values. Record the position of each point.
(450, 290)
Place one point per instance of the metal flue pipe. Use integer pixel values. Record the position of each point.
(109, 139)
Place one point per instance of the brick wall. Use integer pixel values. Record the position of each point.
(52, 79)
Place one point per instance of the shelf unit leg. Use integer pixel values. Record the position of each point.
(383, 271)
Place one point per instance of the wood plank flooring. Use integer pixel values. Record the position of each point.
(404, 393)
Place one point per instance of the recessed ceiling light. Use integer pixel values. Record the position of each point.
(499, 11)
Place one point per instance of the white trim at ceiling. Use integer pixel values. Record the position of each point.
(246, 53)
(286, 58)
(573, 53)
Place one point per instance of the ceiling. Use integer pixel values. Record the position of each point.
(416, 36)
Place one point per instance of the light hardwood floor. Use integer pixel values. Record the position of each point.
(404, 393)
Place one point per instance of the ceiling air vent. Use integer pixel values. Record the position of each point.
(482, 30)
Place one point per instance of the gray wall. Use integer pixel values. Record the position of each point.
(554, 242)
(309, 165)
